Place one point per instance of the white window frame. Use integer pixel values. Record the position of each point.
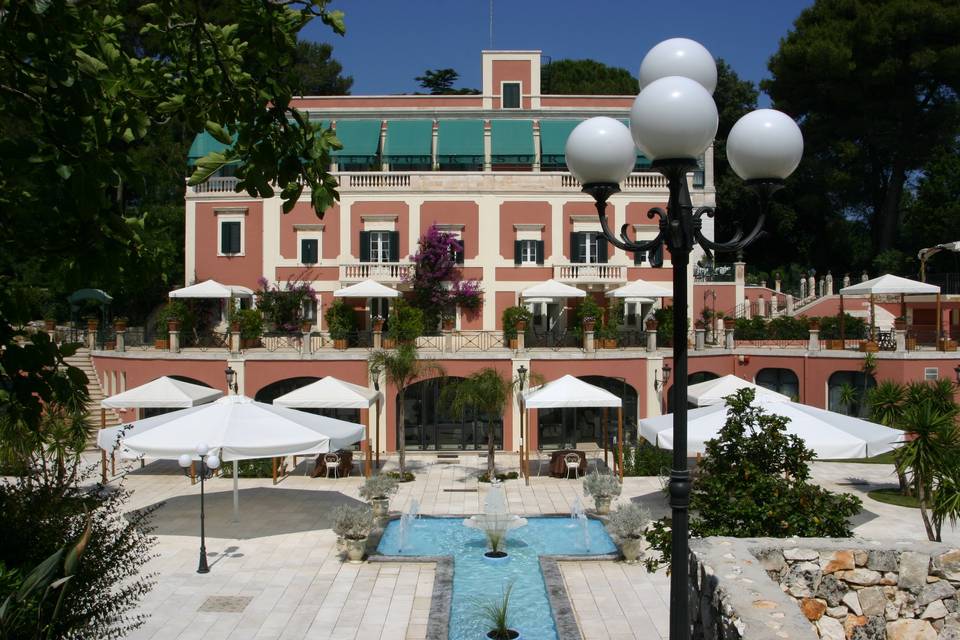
(589, 239)
(528, 252)
(503, 94)
(309, 232)
(232, 215)
(931, 373)
(379, 239)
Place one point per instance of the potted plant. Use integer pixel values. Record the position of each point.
(120, 324)
(585, 317)
(514, 320)
(627, 524)
(340, 320)
(603, 488)
(92, 323)
(651, 324)
(250, 325)
(869, 346)
(306, 325)
(377, 490)
(729, 323)
(377, 324)
(495, 613)
(900, 323)
(353, 525)
(406, 324)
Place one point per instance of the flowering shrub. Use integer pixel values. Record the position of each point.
(283, 306)
(436, 280)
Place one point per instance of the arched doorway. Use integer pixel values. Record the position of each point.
(847, 392)
(693, 378)
(429, 425)
(565, 428)
(783, 381)
(276, 389)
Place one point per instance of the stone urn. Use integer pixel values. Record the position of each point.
(235, 326)
(632, 550)
(729, 323)
(603, 504)
(173, 325)
(588, 325)
(356, 548)
(92, 324)
(378, 326)
(120, 324)
(651, 325)
(381, 507)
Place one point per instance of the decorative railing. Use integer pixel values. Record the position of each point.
(219, 184)
(590, 273)
(434, 343)
(478, 340)
(282, 341)
(554, 339)
(379, 271)
(205, 340)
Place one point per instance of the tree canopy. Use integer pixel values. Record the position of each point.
(441, 81)
(586, 77)
(316, 73)
(874, 85)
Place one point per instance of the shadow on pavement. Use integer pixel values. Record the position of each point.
(264, 511)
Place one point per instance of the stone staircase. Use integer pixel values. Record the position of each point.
(82, 360)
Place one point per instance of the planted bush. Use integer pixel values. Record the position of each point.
(511, 317)
(379, 486)
(340, 320)
(601, 485)
(628, 521)
(353, 523)
(406, 322)
(645, 460)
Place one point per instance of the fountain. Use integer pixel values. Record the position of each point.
(495, 521)
(406, 521)
(579, 515)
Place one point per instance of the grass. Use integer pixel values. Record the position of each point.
(883, 458)
(894, 497)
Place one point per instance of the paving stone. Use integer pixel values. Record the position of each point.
(872, 601)
(865, 577)
(910, 630)
(935, 591)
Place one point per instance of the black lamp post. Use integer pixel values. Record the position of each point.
(209, 462)
(672, 122)
(231, 376)
(375, 376)
(521, 380)
(956, 370)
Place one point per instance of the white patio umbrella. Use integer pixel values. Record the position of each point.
(552, 289)
(162, 393)
(830, 435)
(715, 391)
(366, 289)
(332, 393)
(889, 285)
(571, 392)
(240, 428)
(211, 289)
(642, 289)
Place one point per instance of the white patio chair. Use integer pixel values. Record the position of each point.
(572, 462)
(332, 463)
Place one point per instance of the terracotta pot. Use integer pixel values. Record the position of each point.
(588, 326)
(306, 326)
(120, 325)
(609, 343)
(340, 343)
(835, 344)
(651, 325)
(389, 343)
(448, 325)
(161, 343)
(381, 507)
(92, 324)
(729, 323)
(355, 549)
(50, 325)
(173, 325)
(110, 345)
(814, 325)
(632, 550)
(869, 346)
(521, 325)
(947, 345)
(603, 504)
(235, 326)
(900, 324)
(378, 325)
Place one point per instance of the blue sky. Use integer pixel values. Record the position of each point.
(388, 43)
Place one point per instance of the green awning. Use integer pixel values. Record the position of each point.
(511, 141)
(642, 160)
(408, 142)
(553, 140)
(203, 144)
(460, 142)
(360, 139)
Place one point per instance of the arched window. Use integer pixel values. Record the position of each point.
(565, 428)
(783, 381)
(429, 425)
(847, 391)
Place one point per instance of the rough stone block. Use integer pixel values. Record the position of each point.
(860, 557)
(935, 591)
(949, 633)
(914, 568)
(852, 600)
(882, 560)
(836, 561)
(771, 560)
(863, 577)
(874, 629)
(934, 611)
(852, 622)
(803, 580)
(814, 609)
(872, 601)
(947, 565)
(831, 629)
(831, 590)
(838, 612)
(910, 630)
(798, 554)
(889, 578)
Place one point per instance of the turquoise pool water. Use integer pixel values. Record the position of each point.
(475, 581)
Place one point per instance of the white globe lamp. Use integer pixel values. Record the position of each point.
(202, 449)
(679, 57)
(185, 460)
(213, 461)
(765, 144)
(673, 118)
(600, 151)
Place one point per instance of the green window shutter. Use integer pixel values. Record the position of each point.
(575, 255)
(364, 246)
(230, 237)
(460, 256)
(394, 246)
(601, 249)
(308, 251)
(517, 252)
(539, 246)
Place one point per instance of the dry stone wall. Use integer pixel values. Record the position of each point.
(832, 589)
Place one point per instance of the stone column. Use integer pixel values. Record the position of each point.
(789, 304)
(803, 288)
(651, 336)
(829, 283)
(378, 338)
(588, 342)
(761, 307)
(699, 339)
(175, 341)
(234, 342)
(777, 283)
(900, 336)
(774, 304)
(813, 344)
(91, 338)
(305, 346)
(812, 286)
(728, 340)
(447, 346)
(521, 338)
(121, 340)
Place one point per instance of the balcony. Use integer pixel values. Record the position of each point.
(379, 271)
(590, 273)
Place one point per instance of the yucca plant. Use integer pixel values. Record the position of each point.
(886, 402)
(495, 613)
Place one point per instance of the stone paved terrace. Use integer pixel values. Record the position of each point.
(278, 575)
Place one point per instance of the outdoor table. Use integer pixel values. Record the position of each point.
(558, 467)
(346, 464)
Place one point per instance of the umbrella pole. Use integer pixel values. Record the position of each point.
(236, 493)
(872, 318)
(842, 336)
(620, 441)
(941, 344)
(603, 419)
(103, 465)
(377, 421)
(273, 463)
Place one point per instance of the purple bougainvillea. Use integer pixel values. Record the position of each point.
(283, 306)
(437, 282)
